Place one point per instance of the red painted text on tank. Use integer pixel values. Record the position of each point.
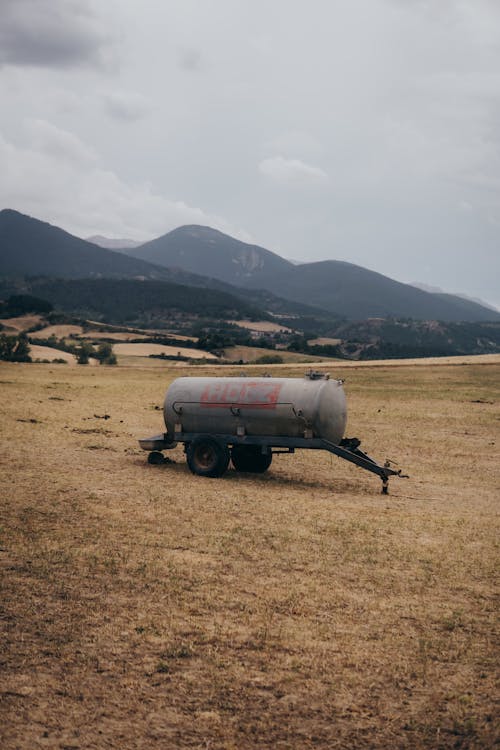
(257, 394)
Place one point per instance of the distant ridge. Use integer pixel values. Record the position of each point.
(32, 247)
(112, 243)
(204, 257)
(458, 295)
(211, 253)
(345, 289)
(29, 247)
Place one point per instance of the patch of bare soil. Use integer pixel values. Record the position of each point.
(114, 335)
(40, 353)
(138, 331)
(144, 607)
(22, 323)
(47, 352)
(144, 350)
(130, 336)
(59, 331)
(265, 326)
(324, 341)
(250, 353)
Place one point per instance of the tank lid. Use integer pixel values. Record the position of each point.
(316, 375)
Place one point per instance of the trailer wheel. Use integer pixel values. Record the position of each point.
(207, 457)
(250, 458)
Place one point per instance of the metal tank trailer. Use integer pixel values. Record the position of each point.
(247, 420)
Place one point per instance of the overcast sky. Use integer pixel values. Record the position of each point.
(360, 130)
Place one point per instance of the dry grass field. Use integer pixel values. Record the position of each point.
(265, 326)
(251, 353)
(59, 331)
(324, 341)
(104, 329)
(20, 323)
(144, 607)
(114, 335)
(48, 353)
(144, 350)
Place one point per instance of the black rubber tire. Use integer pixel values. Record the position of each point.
(155, 457)
(207, 457)
(250, 458)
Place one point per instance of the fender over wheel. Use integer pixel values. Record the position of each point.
(250, 458)
(207, 457)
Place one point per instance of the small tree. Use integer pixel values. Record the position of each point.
(269, 359)
(105, 354)
(7, 344)
(15, 348)
(85, 351)
(22, 350)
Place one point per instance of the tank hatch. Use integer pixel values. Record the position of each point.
(316, 375)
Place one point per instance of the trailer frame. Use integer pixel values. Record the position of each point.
(348, 448)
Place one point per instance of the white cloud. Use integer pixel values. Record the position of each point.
(59, 179)
(296, 142)
(352, 132)
(59, 144)
(293, 172)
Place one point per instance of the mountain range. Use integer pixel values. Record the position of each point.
(112, 243)
(342, 288)
(201, 256)
(32, 247)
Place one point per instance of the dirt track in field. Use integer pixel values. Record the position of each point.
(144, 607)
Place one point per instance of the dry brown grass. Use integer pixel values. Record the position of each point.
(144, 350)
(114, 335)
(251, 353)
(143, 607)
(266, 326)
(47, 352)
(21, 323)
(303, 363)
(324, 341)
(59, 331)
(135, 334)
(105, 329)
(41, 353)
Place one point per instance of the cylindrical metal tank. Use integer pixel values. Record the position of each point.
(313, 406)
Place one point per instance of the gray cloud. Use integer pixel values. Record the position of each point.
(293, 172)
(295, 143)
(190, 59)
(50, 33)
(366, 131)
(54, 175)
(126, 106)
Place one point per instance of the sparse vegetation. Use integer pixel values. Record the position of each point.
(21, 304)
(14, 348)
(84, 352)
(145, 607)
(269, 359)
(105, 354)
(140, 303)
